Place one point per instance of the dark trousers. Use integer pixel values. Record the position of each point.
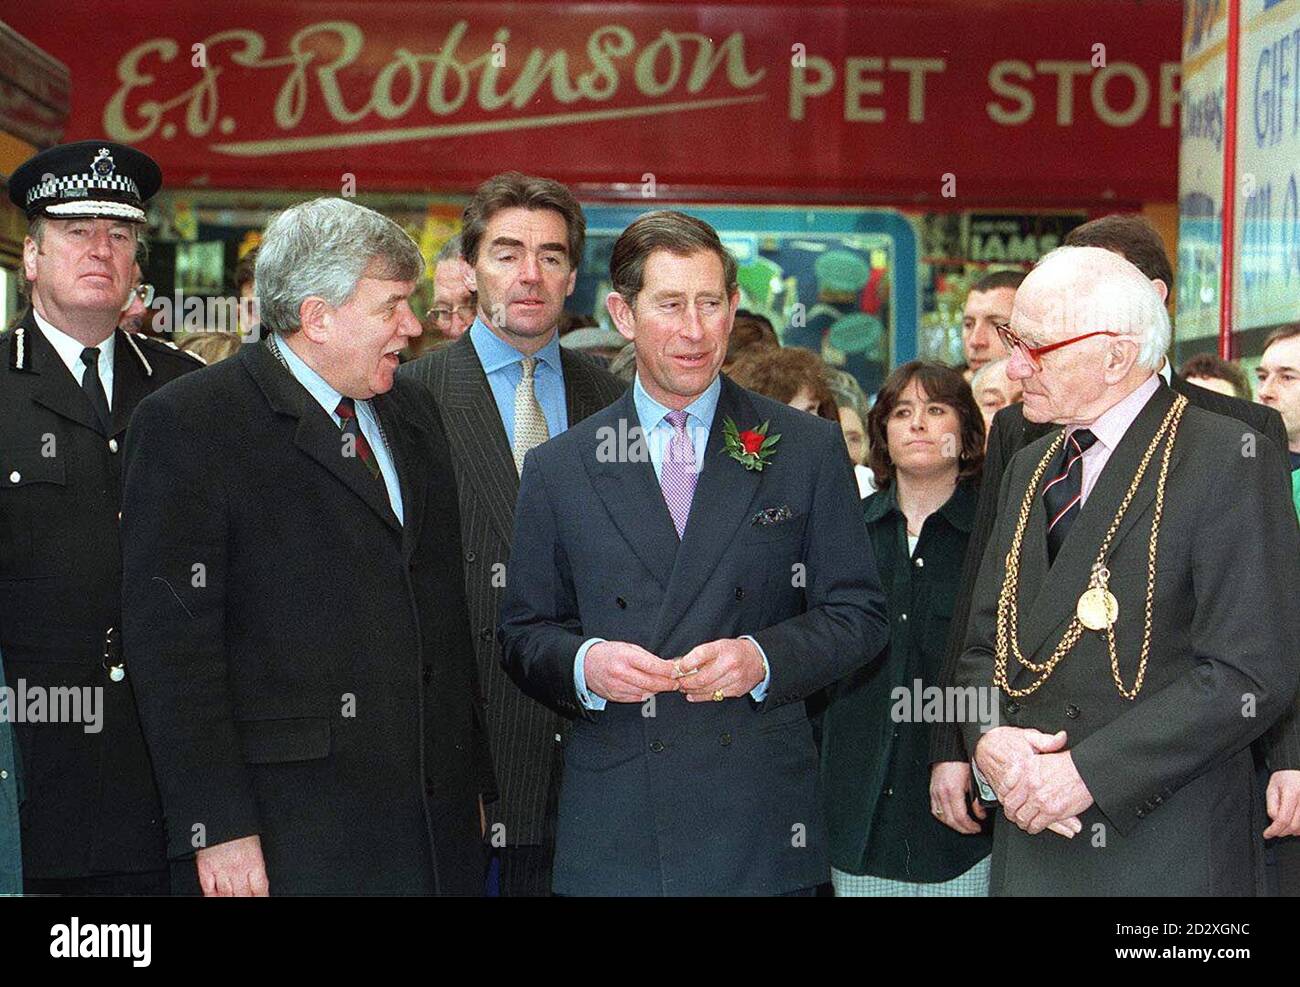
(1285, 867)
(153, 882)
(525, 871)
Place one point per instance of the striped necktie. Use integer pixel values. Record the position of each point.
(347, 413)
(1064, 491)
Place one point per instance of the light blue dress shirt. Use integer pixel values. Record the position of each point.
(653, 419)
(328, 398)
(501, 364)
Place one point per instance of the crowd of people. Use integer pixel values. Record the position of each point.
(500, 600)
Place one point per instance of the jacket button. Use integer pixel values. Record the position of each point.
(919, 562)
(428, 786)
(428, 674)
(112, 445)
(1013, 708)
(1072, 711)
(485, 634)
(656, 746)
(903, 617)
(740, 592)
(15, 476)
(470, 556)
(725, 740)
(889, 791)
(622, 603)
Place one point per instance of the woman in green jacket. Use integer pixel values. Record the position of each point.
(927, 449)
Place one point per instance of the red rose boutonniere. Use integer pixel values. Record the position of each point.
(752, 448)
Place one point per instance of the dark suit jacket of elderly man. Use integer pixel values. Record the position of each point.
(1011, 433)
(680, 798)
(316, 686)
(1171, 772)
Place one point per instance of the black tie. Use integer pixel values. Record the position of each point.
(94, 387)
(1062, 494)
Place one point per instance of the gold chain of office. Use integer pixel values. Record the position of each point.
(1008, 625)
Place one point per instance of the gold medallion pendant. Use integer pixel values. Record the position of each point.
(1097, 609)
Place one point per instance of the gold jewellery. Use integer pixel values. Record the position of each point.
(1097, 608)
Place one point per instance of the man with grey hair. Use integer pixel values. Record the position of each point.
(1116, 610)
(294, 611)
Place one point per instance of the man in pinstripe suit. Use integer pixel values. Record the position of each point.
(502, 388)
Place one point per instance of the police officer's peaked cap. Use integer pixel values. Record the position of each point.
(84, 180)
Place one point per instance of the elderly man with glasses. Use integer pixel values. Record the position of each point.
(1117, 612)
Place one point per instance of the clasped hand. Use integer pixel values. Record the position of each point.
(627, 673)
(1035, 779)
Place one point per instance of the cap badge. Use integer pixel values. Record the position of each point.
(103, 164)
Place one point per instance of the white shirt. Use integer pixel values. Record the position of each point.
(69, 351)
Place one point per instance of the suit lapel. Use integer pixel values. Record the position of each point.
(629, 489)
(317, 435)
(412, 475)
(130, 383)
(1062, 584)
(722, 500)
(58, 389)
(477, 435)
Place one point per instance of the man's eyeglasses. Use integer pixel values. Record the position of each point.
(1034, 354)
(442, 316)
(144, 292)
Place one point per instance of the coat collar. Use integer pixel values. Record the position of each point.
(318, 436)
(477, 435)
(31, 353)
(958, 511)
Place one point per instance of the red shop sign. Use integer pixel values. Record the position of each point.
(1051, 101)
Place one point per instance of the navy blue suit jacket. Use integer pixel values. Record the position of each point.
(682, 798)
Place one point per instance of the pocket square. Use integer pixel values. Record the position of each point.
(772, 515)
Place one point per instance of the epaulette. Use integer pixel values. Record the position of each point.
(18, 349)
(135, 340)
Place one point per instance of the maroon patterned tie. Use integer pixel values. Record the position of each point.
(347, 413)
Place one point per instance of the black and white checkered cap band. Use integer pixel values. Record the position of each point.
(82, 186)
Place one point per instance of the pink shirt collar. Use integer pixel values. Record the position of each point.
(1110, 428)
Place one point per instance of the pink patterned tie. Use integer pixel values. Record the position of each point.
(678, 475)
